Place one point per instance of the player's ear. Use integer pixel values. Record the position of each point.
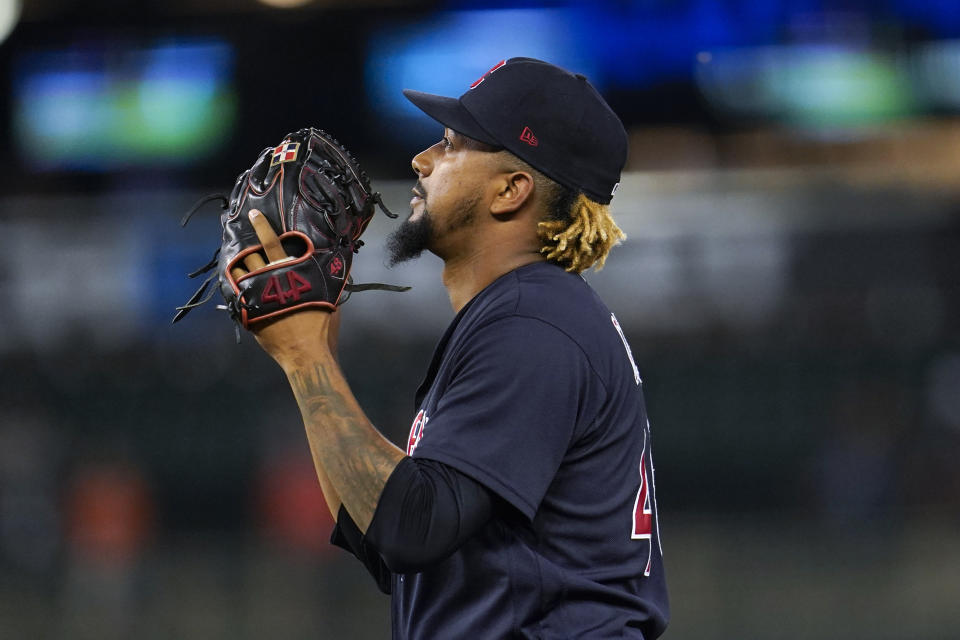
(514, 189)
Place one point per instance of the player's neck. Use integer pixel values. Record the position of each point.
(466, 276)
(495, 245)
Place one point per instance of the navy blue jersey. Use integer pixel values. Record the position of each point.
(533, 392)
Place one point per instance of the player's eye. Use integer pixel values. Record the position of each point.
(446, 143)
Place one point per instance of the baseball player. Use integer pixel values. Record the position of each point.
(523, 505)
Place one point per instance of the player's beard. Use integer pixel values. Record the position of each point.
(412, 237)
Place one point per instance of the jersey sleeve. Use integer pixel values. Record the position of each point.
(348, 536)
(515, 397)
(426, 511)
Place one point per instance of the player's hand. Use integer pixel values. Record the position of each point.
(295, 335)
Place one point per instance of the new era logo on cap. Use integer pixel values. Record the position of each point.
(527, 136)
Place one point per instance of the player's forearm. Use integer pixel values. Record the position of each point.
(329, 491)
(355, 458)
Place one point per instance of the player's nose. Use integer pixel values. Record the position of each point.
(421, 163)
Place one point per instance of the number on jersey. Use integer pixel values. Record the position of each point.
(645, 505)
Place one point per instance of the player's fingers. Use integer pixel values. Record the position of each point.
(268, 237)
(253, 261)
(237, 273)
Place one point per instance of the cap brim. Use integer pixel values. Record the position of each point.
(450, 113)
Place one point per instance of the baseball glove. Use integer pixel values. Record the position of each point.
(319, 201)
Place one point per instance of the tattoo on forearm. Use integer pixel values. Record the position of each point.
(344, 442)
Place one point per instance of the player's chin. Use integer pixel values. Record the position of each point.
(411, 238)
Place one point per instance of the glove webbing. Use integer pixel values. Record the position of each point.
(198, 298)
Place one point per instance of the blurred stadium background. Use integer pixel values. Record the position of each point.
(790, 287)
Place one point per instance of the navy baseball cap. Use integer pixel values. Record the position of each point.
(547, 116)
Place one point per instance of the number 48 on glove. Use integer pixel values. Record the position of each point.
(318, 199)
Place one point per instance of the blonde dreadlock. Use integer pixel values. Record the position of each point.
(582, 239)
(578, 232)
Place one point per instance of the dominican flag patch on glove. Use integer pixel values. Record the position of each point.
(286, 152)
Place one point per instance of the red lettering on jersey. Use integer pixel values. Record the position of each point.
(416, 431)
(643, 513)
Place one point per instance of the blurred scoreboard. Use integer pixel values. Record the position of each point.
(110, 105)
